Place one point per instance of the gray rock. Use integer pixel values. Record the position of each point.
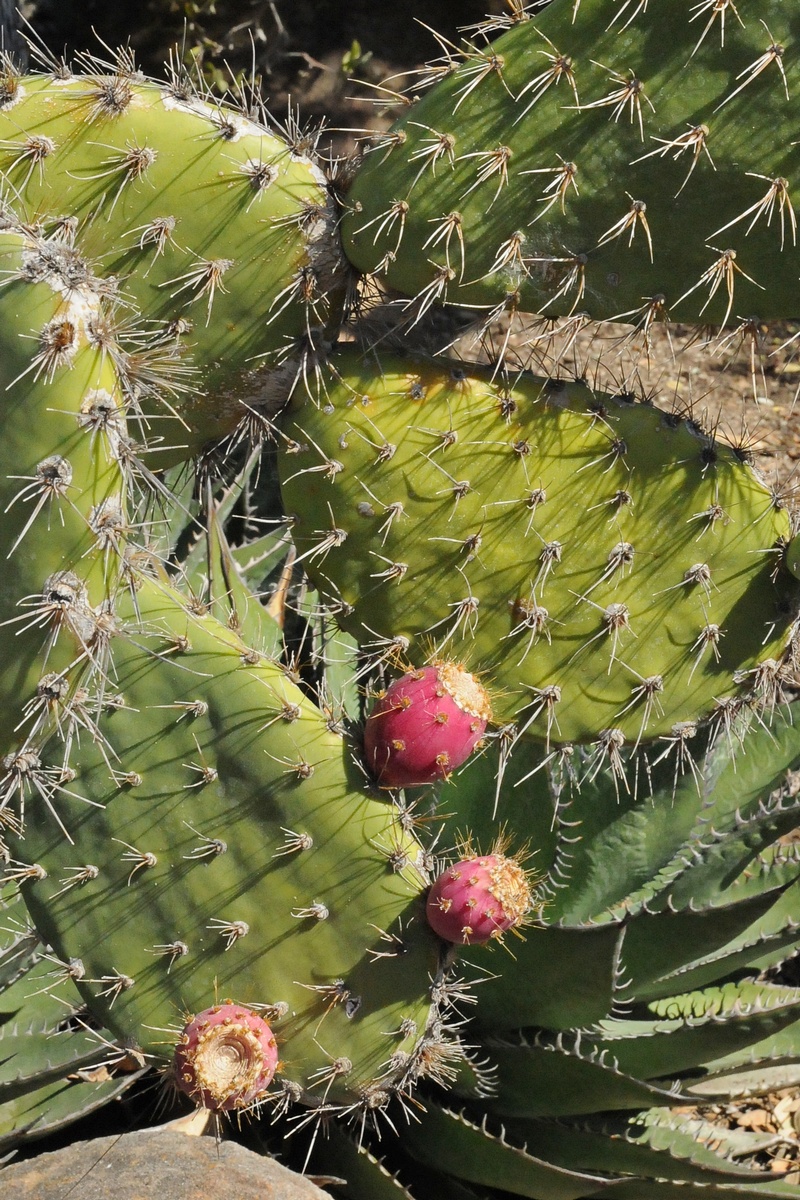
(154, 1164)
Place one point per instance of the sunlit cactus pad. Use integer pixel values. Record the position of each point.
(608, 156)
(214, 234)
(218, 838)
(609, 569)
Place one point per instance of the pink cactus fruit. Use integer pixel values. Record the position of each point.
(478, 899)
(425, 725)
(226, 1057)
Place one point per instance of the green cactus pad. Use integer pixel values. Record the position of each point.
(62, 487)
(613, 572)
(196, 824)
(609, 157)
(222, 844)
(215, 235)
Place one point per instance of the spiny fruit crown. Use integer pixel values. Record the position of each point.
(226, 1058)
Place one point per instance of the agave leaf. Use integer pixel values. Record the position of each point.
(757, 1081)
(657, 1048)
(779, 1048)
(716, 1002)
(339, 653)
(498, 791)
(724, 853)
(448, 1141)
(36, 1043)
(687, 950)
(258, 558)
(559, 978)
(15, 960)
(563, 1077)
(655, 1143)
(230, 598)
(365, 1177)
(56, 1105)
(666, 1189)
(655, 848)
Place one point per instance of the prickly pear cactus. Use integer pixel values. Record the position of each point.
(62, 489)
(186, 820)
(610, 571)
(606, 156)
(215, 234)
(197, 829)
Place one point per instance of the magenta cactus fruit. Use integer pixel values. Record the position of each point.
(425, 725)
(226, 1058)
(478, 899)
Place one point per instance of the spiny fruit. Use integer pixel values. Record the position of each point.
(479, 899)
(226, 1057)
(426, 725)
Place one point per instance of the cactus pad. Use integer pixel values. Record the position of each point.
(220, 845)
(215, 235)
(624, 160)
(610, 570)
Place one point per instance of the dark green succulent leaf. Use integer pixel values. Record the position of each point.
(15, 960)
(258, 558)
(721, 856)
(687, 950)
(563, 1076)
(780, 1047)
(527, 983)
(656, 1142)
(666, 1189)
(448, 1141)
(765, 1066)
(338, 651)
(659, 1048)
(716, 1002)
(557, 978)
(661, 852)
(363, 1175)
(38, 1043)
(500, 792)
(229, 597)
(55, 1106)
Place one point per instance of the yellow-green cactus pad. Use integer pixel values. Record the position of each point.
(612, 571)
(214, 234)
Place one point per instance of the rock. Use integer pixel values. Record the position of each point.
(154, 1163)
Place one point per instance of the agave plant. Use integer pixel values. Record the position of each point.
(506, 622)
